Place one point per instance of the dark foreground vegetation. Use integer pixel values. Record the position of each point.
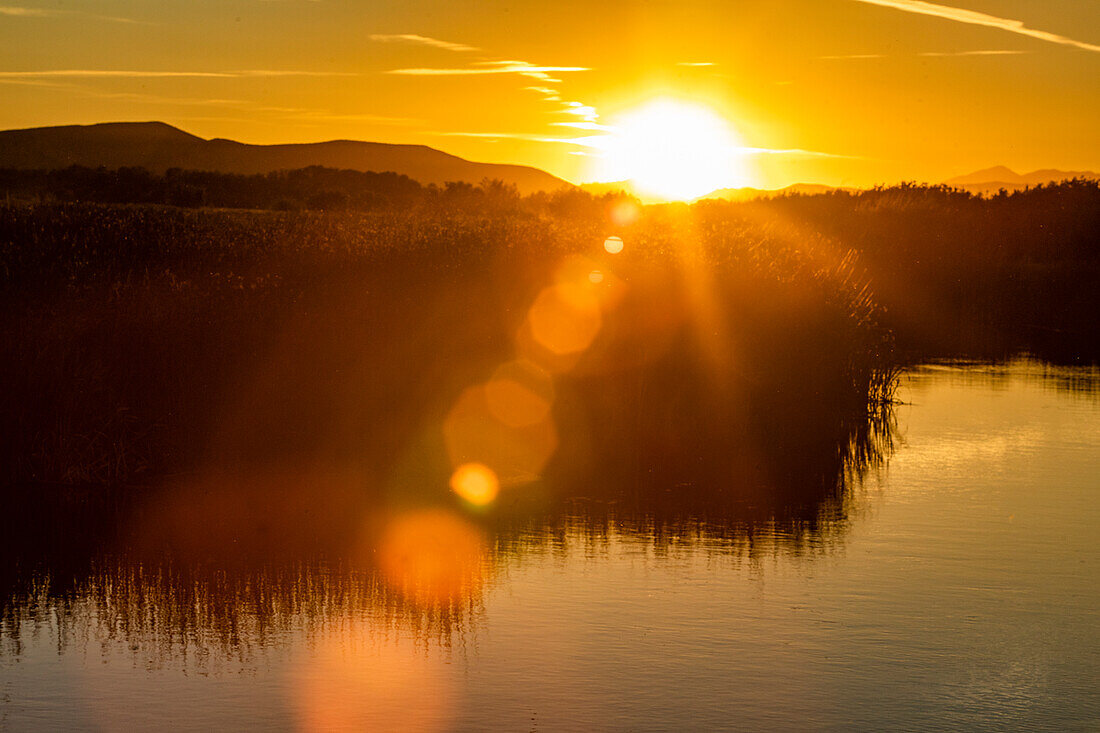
(959, 274)
(143, 341)
(954, 272)
(255, 387)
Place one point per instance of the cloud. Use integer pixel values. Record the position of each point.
(992, 52)
(546, 89)
(26, 12)
(794, 152)
(583, 125)
(695, 63)
(139, 74)
(973, 17)
(549, 94)
(289, 72)
(424, 40)
(21, 12)
(83, 73)
(593, 144)
(542, 73)
(527, 137)
(322, 116)
(584, 111)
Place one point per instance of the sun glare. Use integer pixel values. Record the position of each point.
(673, 150)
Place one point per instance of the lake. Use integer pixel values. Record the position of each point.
(951, 585)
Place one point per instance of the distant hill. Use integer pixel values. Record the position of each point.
(991, 180)
(158, 147)
(987, 181)
(745, 194)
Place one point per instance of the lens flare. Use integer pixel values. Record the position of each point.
(624, 213)
(519, 394)
(472, 433)
(476, 483)
(565, 318)
(432, 556)
(595, 277)
(613, 245)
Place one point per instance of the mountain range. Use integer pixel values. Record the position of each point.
(986, 181)
(157, 147)
(991, 180)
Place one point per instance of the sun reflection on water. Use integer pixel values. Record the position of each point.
(432, 556)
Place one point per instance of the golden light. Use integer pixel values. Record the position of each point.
(624, 213)
(473, 432)
(432, 556)
(565, 318)
(476, 483)
(355, 681)
(519, 394)
(672, 150)
(595, 277)
(613, 245)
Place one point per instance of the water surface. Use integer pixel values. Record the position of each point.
(952, 587)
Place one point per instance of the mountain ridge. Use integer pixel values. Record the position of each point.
(986, 181)
(158, 146)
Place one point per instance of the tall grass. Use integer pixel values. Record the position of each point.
(144, 341)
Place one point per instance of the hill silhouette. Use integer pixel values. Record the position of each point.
(158, 147)
(986, 181)
(992, 180)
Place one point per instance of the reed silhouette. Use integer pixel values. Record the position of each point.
(219, 409)
(219, 405)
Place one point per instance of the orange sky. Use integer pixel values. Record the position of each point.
(851, 92)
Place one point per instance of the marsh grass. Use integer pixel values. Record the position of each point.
(143, 342)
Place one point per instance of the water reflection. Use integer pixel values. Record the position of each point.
(350, 608)
(1072, 380)
(224, 564)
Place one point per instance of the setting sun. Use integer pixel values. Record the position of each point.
(673, 150)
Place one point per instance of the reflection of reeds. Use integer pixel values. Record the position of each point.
(167, 611)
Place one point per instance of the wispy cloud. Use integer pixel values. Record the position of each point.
(549, 94)
(595, 143)
(547, 88)
(301, 115)
(423, 40)
(21, 12)
(992, 52)
(793, 152)
(542, 73)
(589, 125)
(527, 137)
(584, 111)
(695, 63)
(26, 12)
(973, 17)
(140, 74)
(324, 116)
